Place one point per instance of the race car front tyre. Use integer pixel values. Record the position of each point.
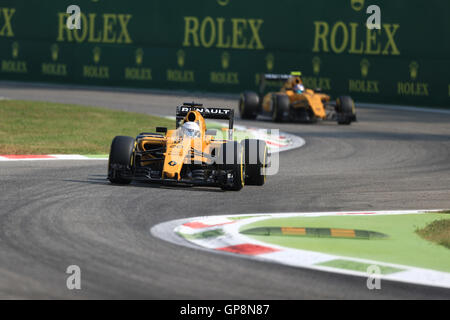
(120, 159)
(280, 107)
(345, 110)
(255, 160)
(232, 158)
(248, 105)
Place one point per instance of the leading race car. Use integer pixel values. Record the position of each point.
(293, 102)
(190, 154)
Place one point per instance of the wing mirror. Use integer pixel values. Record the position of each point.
(161, 130)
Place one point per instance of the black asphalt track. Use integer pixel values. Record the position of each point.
(59, 213)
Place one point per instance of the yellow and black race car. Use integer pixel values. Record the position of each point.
(190, 154)
(293, 102)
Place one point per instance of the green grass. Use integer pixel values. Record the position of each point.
(242, 217)
(438, 232)
(238, 135)
(52, 128)
(29, 127)
(356, 266)
(404, 245)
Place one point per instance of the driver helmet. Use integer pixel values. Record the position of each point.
(299, 88)
(190, 129)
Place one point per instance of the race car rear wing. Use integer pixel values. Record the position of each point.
(206, 112)
(264, 78)
(271, 76)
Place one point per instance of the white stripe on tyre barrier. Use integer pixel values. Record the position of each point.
(286, 256)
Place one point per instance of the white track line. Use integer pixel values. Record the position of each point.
(292, 257)
(51, 157)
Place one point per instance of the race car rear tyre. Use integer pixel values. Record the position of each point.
(248, 105)
(280, 107)
(232, 158)
(120, 159)
(345, 110)
(255, 160)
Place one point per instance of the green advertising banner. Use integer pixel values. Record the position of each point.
(223, 45)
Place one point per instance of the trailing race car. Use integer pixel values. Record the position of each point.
(295, 103)
(190, 154)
